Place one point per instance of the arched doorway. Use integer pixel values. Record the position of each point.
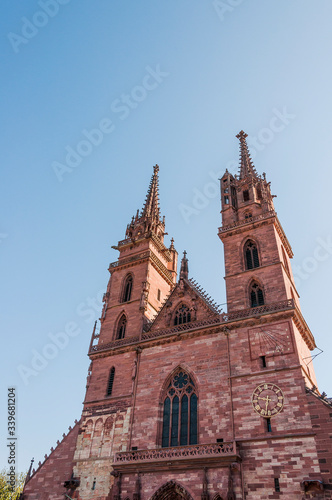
(171, 491)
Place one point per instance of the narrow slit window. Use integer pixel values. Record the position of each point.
(110, 381)
(158, 295)
(268, 425)
(263, 360)
(246, 195)
(276, 484)
(234, 197)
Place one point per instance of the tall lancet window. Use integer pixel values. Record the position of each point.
(127, 287)
(256, 295)
(121, 330)
(180, 411)
(251, 255)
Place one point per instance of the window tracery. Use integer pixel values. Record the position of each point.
(180, 411)
(182, 315)
(256, 295)
(251, 255)
(121, 330)
(127, 288)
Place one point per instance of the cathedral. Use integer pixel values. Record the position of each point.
(184, 400)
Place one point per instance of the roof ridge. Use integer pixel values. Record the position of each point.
(205, 296)
(46, 456)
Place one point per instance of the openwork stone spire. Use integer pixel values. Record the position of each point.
(149, 221)
(184, 271)
(151, 206)
(247, 168)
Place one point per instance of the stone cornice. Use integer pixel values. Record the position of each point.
(265, 371)
(178, 457)
(247, 224)
(304, 329)
(109, 399)
(143, 257)
(236, 319)
(156, 240)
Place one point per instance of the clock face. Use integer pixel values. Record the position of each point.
(267, 400)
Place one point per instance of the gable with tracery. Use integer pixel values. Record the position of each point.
(187, 304)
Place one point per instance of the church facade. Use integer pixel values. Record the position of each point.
(185, 401)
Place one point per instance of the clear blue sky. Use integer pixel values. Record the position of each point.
(217, 73)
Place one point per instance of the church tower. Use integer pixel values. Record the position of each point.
(140, 280)
(257, 253)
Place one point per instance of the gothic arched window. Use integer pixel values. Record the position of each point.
(182, 315)
(251, 255)
(121, 330)
(180, 412)
(127, 287)
(256, 295)
(110, 381)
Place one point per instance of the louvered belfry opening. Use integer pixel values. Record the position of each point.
(121, 330)
(256, 295)
(251, 255)
(180, 412)
(128, 284)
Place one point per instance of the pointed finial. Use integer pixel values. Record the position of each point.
(29, 472)
(247, 169)
(184, 267)
(151, 205)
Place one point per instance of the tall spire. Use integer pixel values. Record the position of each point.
(149, 220)
(184, 271)
(151, 205)
(247, 168)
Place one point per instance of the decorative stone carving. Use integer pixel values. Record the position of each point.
(144, 295)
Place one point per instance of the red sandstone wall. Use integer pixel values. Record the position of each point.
(269, 274)
(47, 482)
(321, 418)
(205, 358)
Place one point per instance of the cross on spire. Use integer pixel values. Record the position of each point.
(247, 168)
(184, 271)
